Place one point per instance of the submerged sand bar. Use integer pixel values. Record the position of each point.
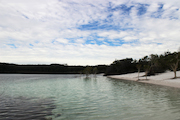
(164, 79)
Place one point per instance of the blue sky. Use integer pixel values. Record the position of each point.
(79, 32)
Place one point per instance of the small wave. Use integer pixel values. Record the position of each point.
(22, 108)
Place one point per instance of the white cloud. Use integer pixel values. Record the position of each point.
(80, 41)
(61, 40)
(48, 31)
(130, 38)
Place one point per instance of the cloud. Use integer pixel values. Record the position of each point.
(61, 40)
(86, 32)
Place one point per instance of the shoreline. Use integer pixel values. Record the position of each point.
(163, 79)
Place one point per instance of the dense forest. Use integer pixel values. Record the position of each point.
(151, 65)
(48, 69)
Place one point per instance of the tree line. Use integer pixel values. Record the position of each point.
(48, 69)
(151, 65)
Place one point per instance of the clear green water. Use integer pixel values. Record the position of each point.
(71, 97)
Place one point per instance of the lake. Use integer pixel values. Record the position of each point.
(73, 97)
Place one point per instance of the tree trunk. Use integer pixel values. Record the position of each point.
(174, 68)
(139, 69)
(146, 73)
(175, 74)
(138, 74)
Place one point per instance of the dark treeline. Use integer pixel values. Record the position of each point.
(46, 69)
(151, 64)
(121, 67)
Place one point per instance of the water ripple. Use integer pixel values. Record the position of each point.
(21, 108)
(66, 97)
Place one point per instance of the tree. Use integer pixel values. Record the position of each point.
(173, 61)
(146, 69)
(153, 64)
(145, 59)
(138, 66)
(87, 71)
(95, 70)
(122, 66)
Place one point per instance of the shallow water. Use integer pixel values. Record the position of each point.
(72, 97)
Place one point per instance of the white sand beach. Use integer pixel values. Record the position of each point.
(164, 79)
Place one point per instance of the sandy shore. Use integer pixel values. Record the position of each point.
(164, 79)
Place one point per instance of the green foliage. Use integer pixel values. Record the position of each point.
(173, 62)
(95, 70)
(146, 69)
(47, 69)
(40, 69)
(138, 66)
(101, 68)
(121, 67)
(151, 64)
(87, 71)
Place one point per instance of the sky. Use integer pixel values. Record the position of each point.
(86, 32)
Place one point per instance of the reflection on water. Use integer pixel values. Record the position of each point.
(152, 101)
(22, 108)
(74, 97)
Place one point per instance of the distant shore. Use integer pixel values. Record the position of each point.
(164, 79)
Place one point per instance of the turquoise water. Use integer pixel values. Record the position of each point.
(72, 97)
